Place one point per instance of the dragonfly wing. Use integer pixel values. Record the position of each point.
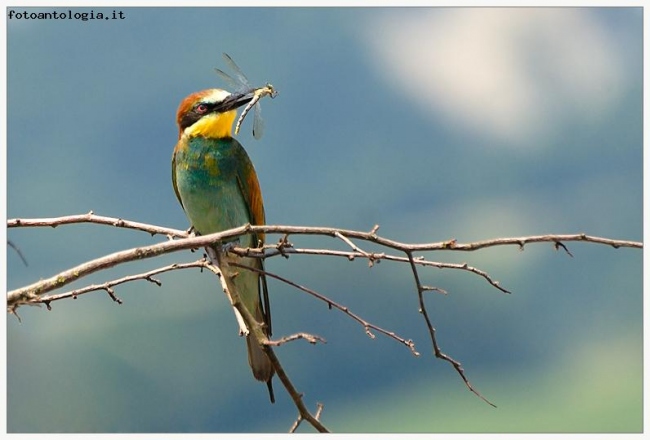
(232, 82)
(243, 81)
(258, 122)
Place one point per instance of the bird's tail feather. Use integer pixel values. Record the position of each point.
(246, 282)
(260, 364)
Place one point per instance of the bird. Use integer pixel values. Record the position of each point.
(217, 186)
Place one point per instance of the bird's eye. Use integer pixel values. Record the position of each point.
(201, 108)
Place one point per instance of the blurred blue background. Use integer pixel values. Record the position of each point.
(433, 123)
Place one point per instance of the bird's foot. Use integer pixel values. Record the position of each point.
(227, 247)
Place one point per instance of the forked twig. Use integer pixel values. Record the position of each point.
(319, 410)
(432, 332)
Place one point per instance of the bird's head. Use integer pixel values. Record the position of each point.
(210, 113)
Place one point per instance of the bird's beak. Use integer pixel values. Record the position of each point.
(235, 100)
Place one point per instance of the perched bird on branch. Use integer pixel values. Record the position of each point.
(216, 184)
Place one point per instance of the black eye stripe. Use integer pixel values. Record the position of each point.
(204, 107)
(199, 110)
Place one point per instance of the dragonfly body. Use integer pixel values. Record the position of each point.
(242, 85)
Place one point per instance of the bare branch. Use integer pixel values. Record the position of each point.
(181, 240)
(147, 276)
(314, 230)
(30, 294)
(368, 326)
(272, 251)
(444, 245)
(312, 339)
(432, 333)
(90, 217)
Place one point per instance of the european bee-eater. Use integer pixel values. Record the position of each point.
(217, 187)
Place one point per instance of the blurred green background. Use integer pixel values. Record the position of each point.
(433, 123)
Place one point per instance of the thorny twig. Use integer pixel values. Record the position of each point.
(432, 332)
(269, 251)
(91, 217)
(147, 276)
(367, 326)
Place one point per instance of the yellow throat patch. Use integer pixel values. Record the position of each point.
(214, 125)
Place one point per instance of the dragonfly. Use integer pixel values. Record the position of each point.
(241, 84)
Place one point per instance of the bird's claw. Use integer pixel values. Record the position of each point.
(227, 247)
